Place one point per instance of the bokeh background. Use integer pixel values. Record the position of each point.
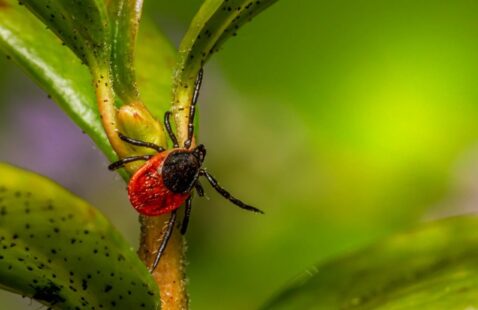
(344, 120)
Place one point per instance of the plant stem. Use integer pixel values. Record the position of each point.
(170, 272)
(107, 109)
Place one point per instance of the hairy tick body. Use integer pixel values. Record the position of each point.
(166, 181)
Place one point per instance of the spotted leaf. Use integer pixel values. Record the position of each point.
(57, 249)
(125, 16)
(431, 267)
(215, 22)
(82, 25)
(25, 40)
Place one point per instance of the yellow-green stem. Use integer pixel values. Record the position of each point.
(106, 107)
(170, 272)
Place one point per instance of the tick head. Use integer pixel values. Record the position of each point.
(200, 152)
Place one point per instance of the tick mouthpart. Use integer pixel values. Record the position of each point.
(200, 152)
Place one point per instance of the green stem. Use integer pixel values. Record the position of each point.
(170, 272)
(106, 106)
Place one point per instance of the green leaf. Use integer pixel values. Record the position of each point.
(61, 251)
(54, 67)
(25, 40)
(215, 22)
(125, 17)
(82, 25)
(431, 267)
(155, 59)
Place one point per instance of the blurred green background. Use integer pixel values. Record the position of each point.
(344, 120)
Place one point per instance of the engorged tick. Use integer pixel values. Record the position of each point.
(167, 179)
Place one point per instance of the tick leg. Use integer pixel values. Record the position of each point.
(192, 109)
(167, 124)
(226, 194)
(132, 141)
(120, 163)
(199, 188)
(187, 215)
(164, 242)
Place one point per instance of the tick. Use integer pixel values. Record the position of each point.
(167, 179)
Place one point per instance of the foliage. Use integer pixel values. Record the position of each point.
(63, 252)
(378, 175)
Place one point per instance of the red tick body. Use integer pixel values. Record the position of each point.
(148, 193)
(167, 179)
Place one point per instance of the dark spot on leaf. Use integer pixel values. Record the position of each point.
(49, 293)
(108, 288)
(84, 284)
